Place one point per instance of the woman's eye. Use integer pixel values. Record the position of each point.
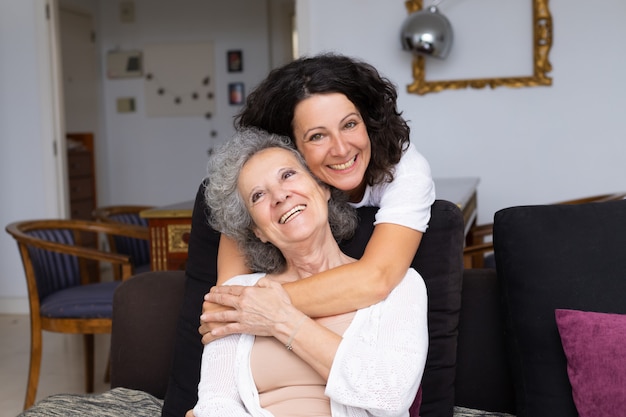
(350, 125)
(255, 197)
(288, 174)
(315, 137)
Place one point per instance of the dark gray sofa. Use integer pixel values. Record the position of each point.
(439, 260)
(499, 325)
(508, 356)
(147, 308)
(147, 338)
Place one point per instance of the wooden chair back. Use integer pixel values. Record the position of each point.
(63, 291)
(479, 245)
(137, 249)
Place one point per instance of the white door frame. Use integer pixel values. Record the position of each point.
(53, 118)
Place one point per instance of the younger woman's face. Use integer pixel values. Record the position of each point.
(331, 135)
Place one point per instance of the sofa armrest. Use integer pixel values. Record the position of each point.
(483, 376)
(145, 313)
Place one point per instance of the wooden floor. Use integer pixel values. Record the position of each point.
(62, 369)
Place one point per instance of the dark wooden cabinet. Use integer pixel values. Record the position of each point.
(81, 175)
(81, 172)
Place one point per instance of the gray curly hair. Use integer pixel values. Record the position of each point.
(228, 212)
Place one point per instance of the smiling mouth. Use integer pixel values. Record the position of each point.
(291, 214)
(345, 165)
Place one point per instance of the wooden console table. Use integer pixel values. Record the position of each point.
(169, 235)
(170, 225)
(463, 193)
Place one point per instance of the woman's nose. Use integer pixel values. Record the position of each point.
(280, 195)
(340, 146)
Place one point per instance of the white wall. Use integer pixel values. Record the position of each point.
(529, 145)
(161, 161)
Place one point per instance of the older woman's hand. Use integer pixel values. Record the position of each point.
(207, 326)
(254, 310)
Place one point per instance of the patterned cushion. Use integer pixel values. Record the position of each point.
(118, 402)
(468, 412)
(122, 402)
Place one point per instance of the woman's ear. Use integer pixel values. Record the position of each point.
(327, 192)
(259, 234)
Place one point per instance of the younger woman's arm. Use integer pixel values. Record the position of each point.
(230, 262)
(367, 281)
(384, 263)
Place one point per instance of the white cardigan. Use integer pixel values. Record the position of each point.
(376, 371)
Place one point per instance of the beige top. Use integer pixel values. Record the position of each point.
(287, 385)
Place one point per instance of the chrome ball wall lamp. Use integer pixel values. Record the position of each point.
(427, 32)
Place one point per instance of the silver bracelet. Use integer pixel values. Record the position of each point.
(290, 341)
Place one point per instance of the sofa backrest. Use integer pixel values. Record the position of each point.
(439, 262)
(483, 375)
(556, 257)
(145, 314)
(146, 310)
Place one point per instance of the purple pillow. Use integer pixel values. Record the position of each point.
(595, 347)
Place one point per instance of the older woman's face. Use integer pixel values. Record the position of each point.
(284, 200)
(332, 137)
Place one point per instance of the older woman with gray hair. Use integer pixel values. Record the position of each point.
(364, 363)
(229, 213)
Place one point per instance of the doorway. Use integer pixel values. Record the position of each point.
(88, 106)
(80, 76)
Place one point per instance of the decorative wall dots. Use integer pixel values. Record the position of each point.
(178, 80)
(180, 97)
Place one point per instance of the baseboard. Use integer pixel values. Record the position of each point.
(14, 305)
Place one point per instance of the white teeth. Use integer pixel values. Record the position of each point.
(344, 165)
(287, 216)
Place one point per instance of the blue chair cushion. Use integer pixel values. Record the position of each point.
(82, 301)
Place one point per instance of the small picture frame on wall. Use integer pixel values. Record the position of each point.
(234, 60)
(236, 93)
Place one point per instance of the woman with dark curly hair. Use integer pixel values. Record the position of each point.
(341, 114)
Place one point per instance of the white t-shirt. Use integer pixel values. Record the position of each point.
(376, 371)
(407, 199)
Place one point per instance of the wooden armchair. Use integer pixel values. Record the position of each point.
(478, 252)
(63, 293)
(137, 249)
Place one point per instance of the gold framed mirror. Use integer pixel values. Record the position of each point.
(542, 42)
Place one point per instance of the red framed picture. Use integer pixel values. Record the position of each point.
(234, 60)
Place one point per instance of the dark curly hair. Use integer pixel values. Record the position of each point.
(272, 103)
